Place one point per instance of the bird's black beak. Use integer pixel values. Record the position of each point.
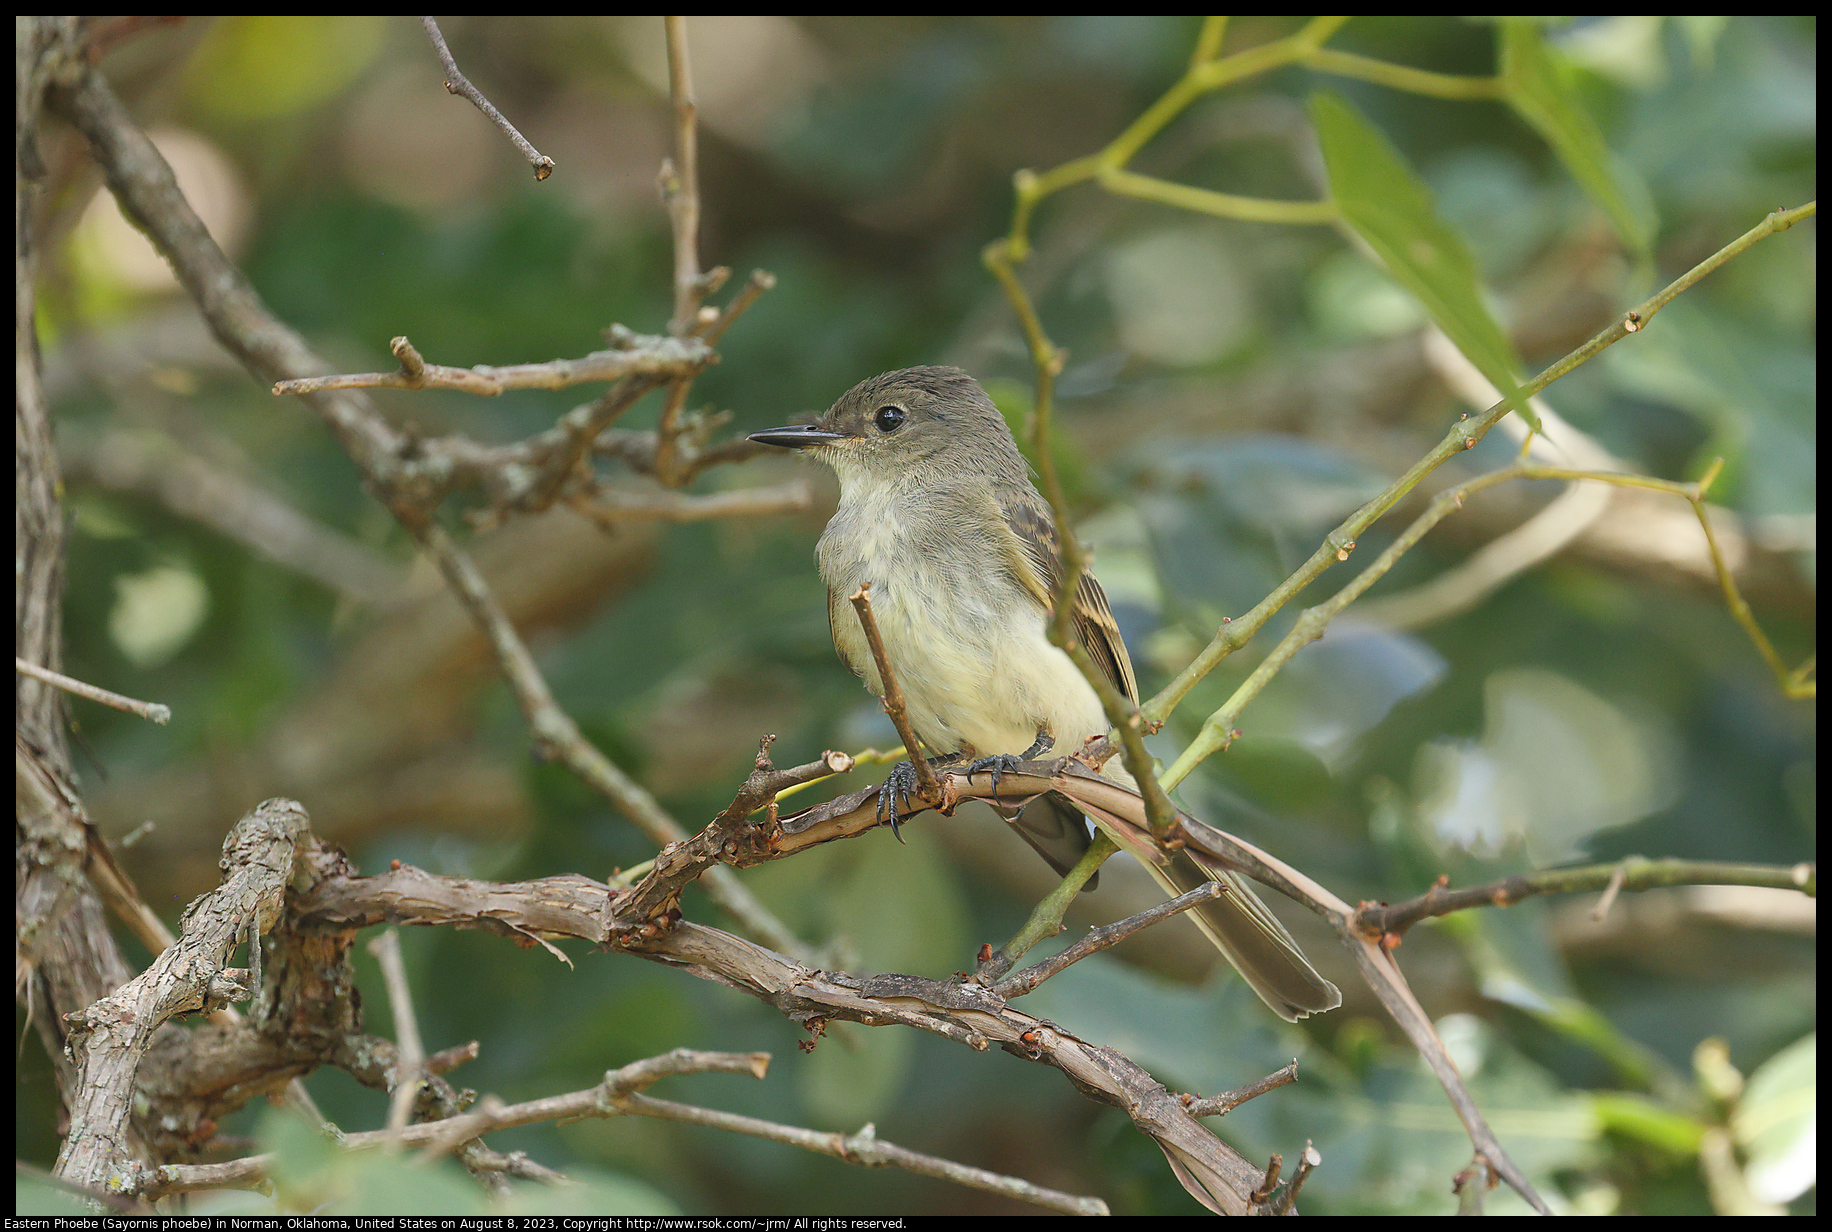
(804, 436)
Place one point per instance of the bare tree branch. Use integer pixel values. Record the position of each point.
(457, 83)
(639, 356)
(155, 711)
(111, 1036)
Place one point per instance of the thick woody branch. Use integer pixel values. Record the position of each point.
(111, 1036)
(1125, 818)
(967, 1014)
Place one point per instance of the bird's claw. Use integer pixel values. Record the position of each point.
(1001, 764)
(898, 790)
(998, 766)
(902, 786)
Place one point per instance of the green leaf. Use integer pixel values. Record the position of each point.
(1390, 208)
(1776, 1122)
(1539, 89)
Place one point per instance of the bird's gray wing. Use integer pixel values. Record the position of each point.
(1039, 569)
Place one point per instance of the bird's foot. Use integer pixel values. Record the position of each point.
(998, 766)
(900, 787)
(1001, 764)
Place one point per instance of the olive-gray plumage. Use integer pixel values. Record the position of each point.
(938, 513)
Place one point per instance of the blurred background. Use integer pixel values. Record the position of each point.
(1233, 391)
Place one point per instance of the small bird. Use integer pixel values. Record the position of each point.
(938, 513)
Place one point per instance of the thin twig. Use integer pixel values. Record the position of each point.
(1123, 815)
(1463, 435)
(681, 182)
(156, 711)
(1563, 519)
(1046, 917)
(1208, 71)
(609, 506)
(652, 357)
(1797, 683)
(754, 286)
(619, 1095)
(410, 1054)
(637, 449)
(926, 783)
(1121, 711)
(1634, 873)
(1223, 1102)
(457, 83)
(1308, 1162)
(1271, 1183)
(655, 890)
(867, 1149)
(680, 187)
(1218, 730)
(1607, 899)
(1103, 937)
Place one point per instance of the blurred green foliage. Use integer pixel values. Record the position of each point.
(865, 162)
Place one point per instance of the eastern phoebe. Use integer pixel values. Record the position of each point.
(938, 513)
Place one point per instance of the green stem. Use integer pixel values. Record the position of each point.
(1046, 919)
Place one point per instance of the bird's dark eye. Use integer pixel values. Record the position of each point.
(888, 418)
